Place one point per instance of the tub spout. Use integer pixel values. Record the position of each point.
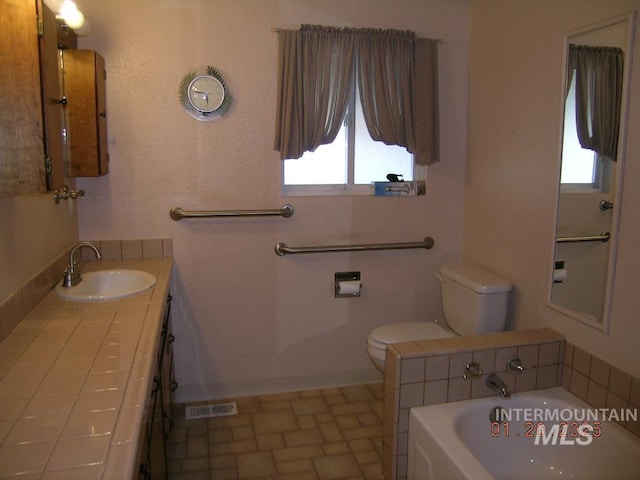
(497, 386)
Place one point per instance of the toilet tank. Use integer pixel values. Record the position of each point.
(474, 300)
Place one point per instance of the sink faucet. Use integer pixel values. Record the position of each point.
(497, 386)
(71, 276)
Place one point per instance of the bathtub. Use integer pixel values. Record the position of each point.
(543, 434)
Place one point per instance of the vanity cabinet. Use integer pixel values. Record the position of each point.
(159, 421)
(31, 149)
(84, 87)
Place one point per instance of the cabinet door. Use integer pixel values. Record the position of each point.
(22, 135)
(84, 78)
(51, 94)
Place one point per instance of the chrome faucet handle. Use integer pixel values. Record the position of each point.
(71, 276)
(515, 366)
(472, 371)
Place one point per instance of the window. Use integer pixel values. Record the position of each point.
(582, 169)
(319, 102)
(351, 162)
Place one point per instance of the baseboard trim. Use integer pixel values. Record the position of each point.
(224, 390)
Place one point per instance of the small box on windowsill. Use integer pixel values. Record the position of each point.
(386, 189)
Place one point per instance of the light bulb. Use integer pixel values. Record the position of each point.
(54, 5)
(84, 30)
(72, 16)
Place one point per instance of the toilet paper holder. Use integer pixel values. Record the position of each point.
(347, 284)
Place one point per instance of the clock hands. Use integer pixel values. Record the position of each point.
(202, 92)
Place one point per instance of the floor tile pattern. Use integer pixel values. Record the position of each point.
(333, 434)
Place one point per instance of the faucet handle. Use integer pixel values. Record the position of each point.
(472, 371)
(515, 366)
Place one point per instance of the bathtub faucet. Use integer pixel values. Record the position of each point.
(497, 386)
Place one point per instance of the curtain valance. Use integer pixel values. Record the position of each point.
(598, 74)
(397, 81)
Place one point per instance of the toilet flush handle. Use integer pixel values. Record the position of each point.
(438, 277)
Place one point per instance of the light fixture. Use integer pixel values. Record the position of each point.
(67, 12)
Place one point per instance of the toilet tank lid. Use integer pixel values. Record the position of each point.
(475, 278)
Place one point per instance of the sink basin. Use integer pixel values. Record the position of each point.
(107, 285)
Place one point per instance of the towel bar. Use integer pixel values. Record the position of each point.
(603, 237)
(177, 213)
(283, 249)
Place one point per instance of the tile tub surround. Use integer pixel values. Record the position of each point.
(430, 371)
(74, 378)
(14, 308)
(600, 384)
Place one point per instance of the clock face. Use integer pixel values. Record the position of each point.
(205, 93)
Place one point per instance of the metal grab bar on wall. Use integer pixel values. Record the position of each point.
(603, 237)
(177, 213)
(283, 249)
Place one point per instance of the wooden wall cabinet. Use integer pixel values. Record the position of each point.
(84, 77)
(31, 150)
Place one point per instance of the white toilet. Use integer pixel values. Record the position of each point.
(474, 301)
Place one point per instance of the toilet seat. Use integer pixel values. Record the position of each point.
(383, 335)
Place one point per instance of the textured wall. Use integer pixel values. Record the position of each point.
(247, 320)
(515, 71)
(34, 231)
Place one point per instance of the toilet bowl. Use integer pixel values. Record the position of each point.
(401, 332)
(474, 301)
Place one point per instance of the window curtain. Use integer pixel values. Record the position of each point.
(598, 73)
(316, 66)
(397, 83)
(397, 80)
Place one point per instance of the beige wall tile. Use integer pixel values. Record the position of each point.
(504, 356)
(411, 395)
(412, 370)
(458, 363)
(486, 359)
(548, 354)
(459, 389)
(596, 395)
(152, 248)
(131, 249)
(436, 391)
(436, 367)
(547, 376)
(578, 385)
(528, 355)
(620, 383)
(581, 361)
(111, 249)
(599, 371)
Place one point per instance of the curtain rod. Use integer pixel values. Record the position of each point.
(277, 30)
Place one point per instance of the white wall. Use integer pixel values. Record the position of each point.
(248, 321)
(514, 133)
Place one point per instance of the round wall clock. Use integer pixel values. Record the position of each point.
(205, 94)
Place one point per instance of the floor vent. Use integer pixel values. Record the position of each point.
(206, 411)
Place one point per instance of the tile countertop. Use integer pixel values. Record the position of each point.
(74, 378)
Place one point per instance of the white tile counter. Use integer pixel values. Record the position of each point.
(74, 379)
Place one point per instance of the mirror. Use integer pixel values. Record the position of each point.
(596, 86)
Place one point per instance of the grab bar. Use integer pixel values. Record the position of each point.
(177, 213)
(603, 237)
(283, 249)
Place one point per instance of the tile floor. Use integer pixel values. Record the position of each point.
(333, 433)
